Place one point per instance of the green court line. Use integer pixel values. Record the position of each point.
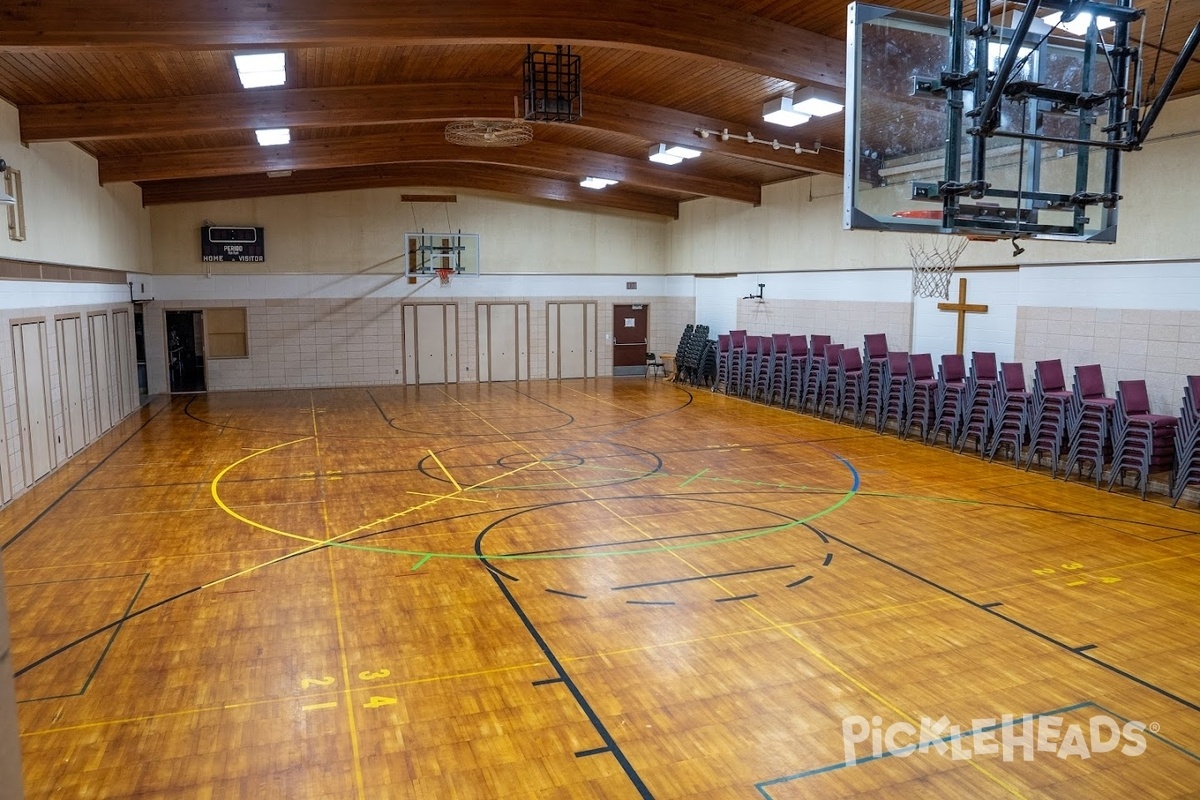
(697, 475)
(424, 558)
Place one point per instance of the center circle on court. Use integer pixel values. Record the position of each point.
(542, 465)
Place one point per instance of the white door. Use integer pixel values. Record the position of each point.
(502, 330)
(571, 340)
(101, 372)
(33, 396)
(126, 387)
(431, 343)
(70, 371)
(5, 484)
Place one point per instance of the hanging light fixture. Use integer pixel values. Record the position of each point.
(781, 111)
(671, 154)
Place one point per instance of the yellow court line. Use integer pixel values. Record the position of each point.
(347, 692)
(445, 471)
(221, 503)
(448, 497)
(355, 751)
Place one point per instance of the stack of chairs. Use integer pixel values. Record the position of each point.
(921, 396)
(689, 365)
(1011, 405)
(1187, 441)
(797, 362)
(724, 361)
(894, 391)
(762, 369)
(777, 379)
(875, 396)
(826, 379)
(812, 371)
(1089, 423)
(1143, 441)
(737, 360)
(1048, 417)
(851, 384)
(749, 369)
(981, 383)
(681, 348)
(951, 399)
(875, 352)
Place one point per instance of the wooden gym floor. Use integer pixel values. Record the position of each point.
(613, 588)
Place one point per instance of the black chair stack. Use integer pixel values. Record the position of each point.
(1187, 441)
(777, 379)
(894, 400)
(724, 362)
(1143, 442)
(750, 365)
(737, 361)
(1010, 412)
(689, 366)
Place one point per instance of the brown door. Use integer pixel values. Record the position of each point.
(629, 339)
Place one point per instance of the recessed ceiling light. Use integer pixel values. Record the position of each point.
(596, 183)
(260, 69)
(269, 136)
(781, 112)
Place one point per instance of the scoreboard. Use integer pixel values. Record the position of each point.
(231, 244)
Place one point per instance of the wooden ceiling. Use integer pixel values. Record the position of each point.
(150, 90)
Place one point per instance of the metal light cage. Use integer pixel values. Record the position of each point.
(552, 85)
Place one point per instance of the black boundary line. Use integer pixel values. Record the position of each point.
(54, 503)
(828, 560)
(567, 594)
(805, 579)
(1084, 648)
(114, 624)
(650, 602)
(1027, 628)
(600, 482)
(145, 576)
(731, 599)
(547, 681)
(996, 604)
(633, 541)
(621, 427)
(387, 420)
(609, 742)
(701, 577)
(499, 573)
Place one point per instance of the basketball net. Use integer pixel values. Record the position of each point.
(933, 261)
(444, 274)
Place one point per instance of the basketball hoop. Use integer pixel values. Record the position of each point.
(444, 274)
(933, 260)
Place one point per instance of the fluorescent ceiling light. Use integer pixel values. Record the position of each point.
(269, 136)
(681, 151)
(1079, 25)
(781, 112)
(596, 183)
(816, 102)
(260, 69)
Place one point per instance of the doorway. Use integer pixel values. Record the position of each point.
(185, 351)
(629, 339)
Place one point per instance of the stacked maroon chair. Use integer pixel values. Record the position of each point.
(750, 366)
(762, 369)
(1187, 441)
(951, 399)
(1010, 412)
(724, 362)
(1089, 423)
(737, 343)
(777, 378)
(812, 371)
(1051, 405)
(921, 395)
(895, 392)
(851, 384)
(1143, 442)
(875, 351)
(981, 383)
(797, 359)
(876, 396)
(826, 379)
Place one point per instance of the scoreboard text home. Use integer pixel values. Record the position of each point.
(231, 244)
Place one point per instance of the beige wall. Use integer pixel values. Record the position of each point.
(69, 217)
(798, 226)
(359, 232)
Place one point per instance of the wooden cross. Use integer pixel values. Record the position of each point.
(963, 308)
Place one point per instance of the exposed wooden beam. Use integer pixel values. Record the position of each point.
(700, 28)
(465, 177)
(378, 105)
(393, 149)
